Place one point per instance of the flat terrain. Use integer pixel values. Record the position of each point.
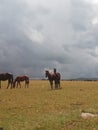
(40, 108)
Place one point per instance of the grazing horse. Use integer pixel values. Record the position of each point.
(19, 79)
(6, 76)
(53, 77)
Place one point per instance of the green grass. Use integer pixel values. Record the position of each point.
(40, 108)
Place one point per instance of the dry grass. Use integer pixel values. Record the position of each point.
(40, 108)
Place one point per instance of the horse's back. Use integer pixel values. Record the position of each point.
(6, 76)
(22, 78)
(57, 76)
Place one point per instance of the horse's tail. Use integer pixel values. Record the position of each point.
(28, 80)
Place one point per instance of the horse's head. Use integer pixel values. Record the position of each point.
(46, 73)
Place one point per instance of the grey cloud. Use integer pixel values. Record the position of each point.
(81, 14)
(40, 35)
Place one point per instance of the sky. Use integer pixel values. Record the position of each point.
(36, 35)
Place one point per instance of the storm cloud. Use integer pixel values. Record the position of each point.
(46, 34)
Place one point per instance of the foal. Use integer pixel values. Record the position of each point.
(19, 79)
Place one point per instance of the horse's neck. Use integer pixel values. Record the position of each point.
(50, 76)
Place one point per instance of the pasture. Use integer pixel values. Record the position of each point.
(40, 108)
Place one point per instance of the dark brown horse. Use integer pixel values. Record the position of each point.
(53, 77)
(6, 76)
(19, 79)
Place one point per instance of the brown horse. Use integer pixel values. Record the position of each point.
(6, 76)
(19, 79)
(53, 77)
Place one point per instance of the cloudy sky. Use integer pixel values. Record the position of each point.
(44, 34)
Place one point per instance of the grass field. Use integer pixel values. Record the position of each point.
(40, 108)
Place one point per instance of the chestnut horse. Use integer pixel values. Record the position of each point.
(6, 76)
(53, 77)
(19, 79)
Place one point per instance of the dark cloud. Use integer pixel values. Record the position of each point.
(35, 35)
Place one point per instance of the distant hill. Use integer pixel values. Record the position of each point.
(84, 79)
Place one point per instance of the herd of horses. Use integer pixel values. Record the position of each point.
(12, 83)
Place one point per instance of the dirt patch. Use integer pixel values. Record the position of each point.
(76, 104)
(71, 124)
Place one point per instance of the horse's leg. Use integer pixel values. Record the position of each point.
(11, 82)
(25, 84)
(51, 83)
(19, 84)
(28, 83)
(56, 83)
(0, 83)
(59, 83)
(8, 84)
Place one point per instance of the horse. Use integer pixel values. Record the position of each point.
(53, 77)
(19, 79)
(6, 76)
